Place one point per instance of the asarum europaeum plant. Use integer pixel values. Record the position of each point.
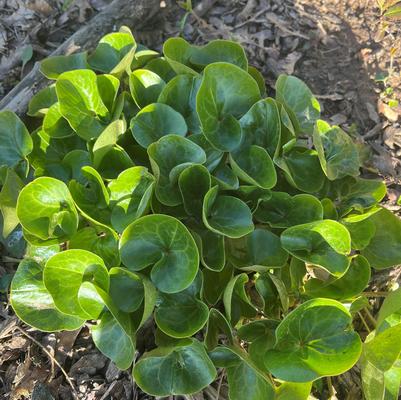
(167, 188)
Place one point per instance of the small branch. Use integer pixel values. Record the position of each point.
(52, 359)
(220, 384)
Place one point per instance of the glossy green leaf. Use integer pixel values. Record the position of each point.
(161, 67)
(302, 168)
(145, 87)
(46, 210)
(273, 294)
(384, 348)
(391, 305)
(15, 142)
(53, 67)
(338, 154)
(180, 94)
(211, 247)
(261, 338)
(55, 125)
(253, 165)
(226, 93)
(259, 250)
(157, 120)
(312, 341)
(63, 275)
(98, 239)
(169, 156)
(42, 101)
(214, 283)
(236, 301)
(126, 289)
(282, 210)
(194, 182)
(384, 249)
(299, 102)
(351, 284)
(114, 335)
(182, 314)
(294, 391)
(226, 215)
(325, 243)
(91, 196)
(185, 58)
(80, 102)
(164, 243)
(10, 190)
(217, 323)
(130, 196)
(183, 369)
(261, 126)
(114, 53)
(32, 302)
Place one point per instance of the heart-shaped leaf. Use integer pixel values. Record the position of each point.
(32, 302)
(351, 284)
(281, 210)
(15, 141)
(299, 102)
(182, 314)
(259, 250)
(53, 67)
(80, 102)
(325, 243)
(157, 120)
(384, 249)
(169, 156)
(305, 340)
(63, 275)
(183, 369)
(338, 154)
(164, 243)
(217, 107)
(130, 196)
(46, 210)
(145, 87)
(226, 215)
(180, 94)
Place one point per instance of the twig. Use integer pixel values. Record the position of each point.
(375, 294)
(108, 390)
(52, 359)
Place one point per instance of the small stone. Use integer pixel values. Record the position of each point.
(112, 372)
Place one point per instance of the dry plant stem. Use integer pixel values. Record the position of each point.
(119, 12)
(375, 294)
(52, 359)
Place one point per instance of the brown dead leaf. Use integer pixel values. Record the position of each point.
(390, 113)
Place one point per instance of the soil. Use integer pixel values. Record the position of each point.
(338, 47)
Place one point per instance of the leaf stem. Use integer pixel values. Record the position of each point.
(370, 316)
(330, 387)
(364, 321)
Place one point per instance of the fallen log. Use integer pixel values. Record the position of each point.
(133, 13)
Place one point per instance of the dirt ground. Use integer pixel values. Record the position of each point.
(336, 46)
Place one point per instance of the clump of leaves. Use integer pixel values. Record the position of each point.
(169, 188)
